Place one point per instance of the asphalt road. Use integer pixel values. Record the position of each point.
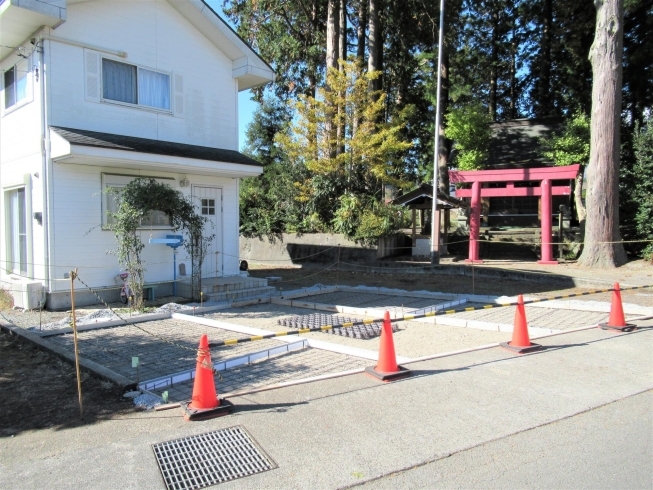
(604, 448)
(575, 415)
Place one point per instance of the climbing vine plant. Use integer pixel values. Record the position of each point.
(135, 202)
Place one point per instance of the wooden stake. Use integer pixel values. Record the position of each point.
(73, 276)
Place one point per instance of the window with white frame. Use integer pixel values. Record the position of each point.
(16, 84)
(132, 84)
(16, 231)
(112, 186)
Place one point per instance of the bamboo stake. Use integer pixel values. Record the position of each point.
(73, 276)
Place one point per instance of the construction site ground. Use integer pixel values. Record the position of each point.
(349, 430)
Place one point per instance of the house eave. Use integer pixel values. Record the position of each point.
(64, 152)
(21, 19)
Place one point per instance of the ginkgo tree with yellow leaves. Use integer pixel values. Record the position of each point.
(351, 150)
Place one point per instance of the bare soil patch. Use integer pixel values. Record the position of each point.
(294, 278)
(39, 391)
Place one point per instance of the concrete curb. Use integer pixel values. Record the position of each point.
(85, 364)
(317, 344)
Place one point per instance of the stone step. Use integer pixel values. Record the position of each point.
(238, 294)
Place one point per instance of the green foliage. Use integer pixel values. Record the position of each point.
(364, 219)
(290, 35)
(572, 146)
(469, 129)
(349, 167)
(643, 192)
(367, 146)
(136, 200)
(268, 203)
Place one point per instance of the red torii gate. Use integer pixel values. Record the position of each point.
(544, 174)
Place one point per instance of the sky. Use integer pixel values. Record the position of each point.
(246, 106)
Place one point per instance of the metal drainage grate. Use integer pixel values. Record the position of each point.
(208, 459)
(319, 320)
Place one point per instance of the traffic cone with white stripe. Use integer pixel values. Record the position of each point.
(204, 403)
(617, 320)
(520, 342)
(386, 368)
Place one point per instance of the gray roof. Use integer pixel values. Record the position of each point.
(83, 137)
(424, 194)
(516, 143)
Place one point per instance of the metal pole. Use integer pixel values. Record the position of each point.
(560, 217)
(435, 223)
(73, 276)
(174, 272)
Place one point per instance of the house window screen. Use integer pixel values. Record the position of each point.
(153, 89)
(17, 231)
(131, 84)
(15, 83)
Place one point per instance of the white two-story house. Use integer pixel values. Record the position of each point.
(94, 94)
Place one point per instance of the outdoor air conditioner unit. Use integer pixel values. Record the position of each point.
(27, 294)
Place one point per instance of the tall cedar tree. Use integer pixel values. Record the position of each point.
(602, 238)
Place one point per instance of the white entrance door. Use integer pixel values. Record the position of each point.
(208, 203)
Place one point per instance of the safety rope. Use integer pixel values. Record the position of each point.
(412, 317)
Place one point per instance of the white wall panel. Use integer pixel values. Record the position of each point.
(81, 242)
(154, 35)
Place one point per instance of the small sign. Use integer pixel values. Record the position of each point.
(164, 395)
(135, 361)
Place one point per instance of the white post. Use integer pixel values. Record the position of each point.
(435, 214)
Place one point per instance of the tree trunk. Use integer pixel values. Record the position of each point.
(360, 33)
(513, 66)
(332, 53)
(602, 199)
(581, 212)
(374, 62)
(544, 88)
(493, 64)
(342, 29)
(443, 150)
(342, 55)
(332, 34)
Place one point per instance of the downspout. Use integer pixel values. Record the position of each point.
(45, 174)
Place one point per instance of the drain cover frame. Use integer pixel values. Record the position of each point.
(207, 459)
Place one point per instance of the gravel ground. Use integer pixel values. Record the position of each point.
(163, 346)
(296, 365)
(413, 339)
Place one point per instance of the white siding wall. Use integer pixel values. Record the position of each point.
(20, 154)
(80, 242)
(157, 36)
(154, 35)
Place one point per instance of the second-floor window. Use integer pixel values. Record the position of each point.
(15, 84)
(131, 84)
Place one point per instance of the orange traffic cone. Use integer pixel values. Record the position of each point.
(204, 403)
(520, 342)
(386, 367)
(617, 320)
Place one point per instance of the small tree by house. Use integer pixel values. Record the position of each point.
(136, 200)
(347, 169)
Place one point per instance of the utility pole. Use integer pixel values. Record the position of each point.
(435, 214)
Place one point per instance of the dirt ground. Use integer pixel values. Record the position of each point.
(40, 391)
(293, 278)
